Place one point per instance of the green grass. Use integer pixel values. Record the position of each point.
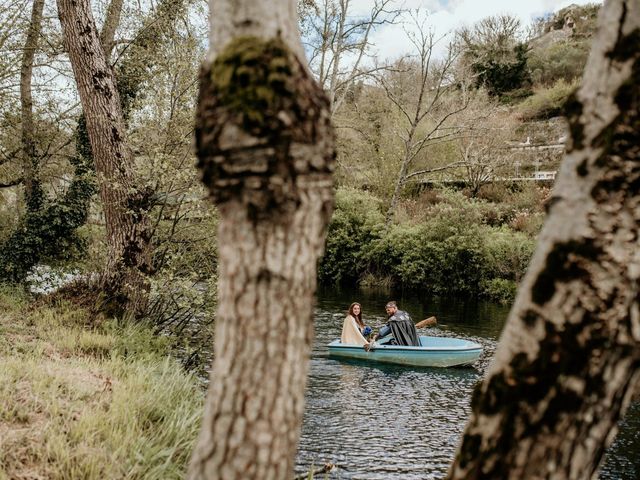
(90, 402)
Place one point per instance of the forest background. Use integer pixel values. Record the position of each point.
(445, 164)
(441, 157)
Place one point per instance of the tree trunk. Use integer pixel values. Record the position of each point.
(32, 190)
(568, 361)
(265, 146)
(402, 176)
(111, 22)
(125, 207)
(404, 169)
(337, 50)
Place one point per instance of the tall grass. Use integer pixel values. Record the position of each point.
(91, 403)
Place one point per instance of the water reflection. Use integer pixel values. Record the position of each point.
(378, 421)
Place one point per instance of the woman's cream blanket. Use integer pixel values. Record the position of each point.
(351, 333)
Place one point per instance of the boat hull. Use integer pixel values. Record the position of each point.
(434, 352)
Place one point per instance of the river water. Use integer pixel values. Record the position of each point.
(391, 422)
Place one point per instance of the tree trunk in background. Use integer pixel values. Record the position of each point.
(125, 207)
(568, 361)
(111, 22)
(32, 190)
(265, 146)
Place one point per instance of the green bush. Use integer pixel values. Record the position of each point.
(501, 75)
(560, 61)
(357, 219)
(425, 257)
(458, 248)
(507, 253)
(499, 290)
(548, 102)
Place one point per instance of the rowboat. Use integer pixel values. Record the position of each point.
(432, 352)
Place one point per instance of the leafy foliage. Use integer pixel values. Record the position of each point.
(48, 230)
(496, 54)
(502, 76)
(560, 61)
(356, 221)
(451, 250)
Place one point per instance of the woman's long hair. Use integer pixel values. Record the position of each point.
(357, 317)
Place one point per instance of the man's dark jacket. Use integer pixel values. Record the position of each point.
(402, 328)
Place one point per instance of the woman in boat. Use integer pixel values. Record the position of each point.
(353, 327)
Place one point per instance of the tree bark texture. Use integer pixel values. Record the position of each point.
(568, 360)
(33, 192)
(266, 149)
(125, 206)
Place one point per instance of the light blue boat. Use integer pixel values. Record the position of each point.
(433, 352)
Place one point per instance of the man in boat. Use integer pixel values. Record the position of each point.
(400, 326)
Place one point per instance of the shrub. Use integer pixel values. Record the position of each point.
(430, 197)
(499, 290)
(425, 257)
(527, 222)
(560, 61)
(548, 102)
(530, 197)
(500, 75)
(493, 192)
(357, 219)
(459, 246)
(507, 253)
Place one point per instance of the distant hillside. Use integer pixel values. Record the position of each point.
(580, 19)
(561, 50)
(556, 59)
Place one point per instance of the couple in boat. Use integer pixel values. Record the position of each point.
(399, 326)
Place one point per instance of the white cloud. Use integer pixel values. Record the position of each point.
(447, 16)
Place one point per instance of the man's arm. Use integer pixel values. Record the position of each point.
(384, 331)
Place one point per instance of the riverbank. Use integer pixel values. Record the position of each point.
(90, 401)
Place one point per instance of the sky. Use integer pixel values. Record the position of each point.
(448, 15)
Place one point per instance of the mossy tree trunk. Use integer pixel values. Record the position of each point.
(568, 361)
(265, 147)
(125, 206)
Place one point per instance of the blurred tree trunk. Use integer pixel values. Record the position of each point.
(125, 206)
(568, 361)
(266, 150)
(32, 189)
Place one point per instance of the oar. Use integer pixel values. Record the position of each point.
(427, 322)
